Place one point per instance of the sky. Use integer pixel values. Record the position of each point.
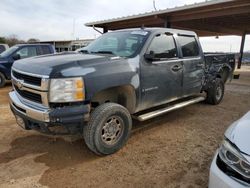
(65, 19)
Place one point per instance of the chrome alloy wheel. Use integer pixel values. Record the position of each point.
(112, 130)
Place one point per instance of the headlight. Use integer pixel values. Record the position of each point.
(67, 90)
(233, 158)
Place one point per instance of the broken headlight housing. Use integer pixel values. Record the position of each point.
(230, 155)
(66, 90)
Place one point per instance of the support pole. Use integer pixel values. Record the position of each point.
(97, 30)
(243, 38)
(105, 30)
(167, 24)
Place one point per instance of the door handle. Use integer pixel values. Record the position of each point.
(176, 68)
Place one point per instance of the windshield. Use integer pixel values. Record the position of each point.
(8, 51)
(122, 43)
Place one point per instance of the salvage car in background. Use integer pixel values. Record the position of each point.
(231, 165)
(17, 52)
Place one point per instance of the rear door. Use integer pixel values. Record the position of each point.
(161, 79)
(193, 64)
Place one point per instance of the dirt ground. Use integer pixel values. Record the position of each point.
(174, 150)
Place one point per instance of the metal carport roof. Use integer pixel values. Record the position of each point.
(209, 18)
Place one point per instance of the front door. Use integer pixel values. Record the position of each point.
(161, 77)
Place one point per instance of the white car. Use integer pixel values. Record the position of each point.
(231, 165)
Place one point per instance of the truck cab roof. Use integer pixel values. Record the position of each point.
(158, 29)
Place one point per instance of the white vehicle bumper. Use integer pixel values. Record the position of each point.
(218, 179)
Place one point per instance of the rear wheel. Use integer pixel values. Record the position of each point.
(216, 92)
(108, 129)
(2, 80)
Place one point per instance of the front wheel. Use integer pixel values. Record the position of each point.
(108, 129)
(216, 92)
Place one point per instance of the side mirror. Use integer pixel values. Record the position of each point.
(16, 57)
(150, 56)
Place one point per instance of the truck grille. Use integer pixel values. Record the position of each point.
(29, 95)
(27, 78)
(32, 87)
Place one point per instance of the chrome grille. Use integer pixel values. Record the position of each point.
(27, 79)
(29, 95)
(31, 87)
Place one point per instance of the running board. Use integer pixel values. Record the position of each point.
(159, 112)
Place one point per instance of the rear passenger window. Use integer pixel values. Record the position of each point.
(189, 46)
(163, 46)
(45, 50)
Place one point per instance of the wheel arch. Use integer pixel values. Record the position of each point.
(3, 71)
(224, 73)
(124, 95)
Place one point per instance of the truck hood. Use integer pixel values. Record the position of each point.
(56, 64)
(3, 59)
(239, 134)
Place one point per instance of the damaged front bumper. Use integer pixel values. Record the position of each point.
(57, 121)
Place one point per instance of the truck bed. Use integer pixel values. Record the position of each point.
(219, 62)
(220, 58)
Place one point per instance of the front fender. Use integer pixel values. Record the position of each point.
(5, 71)
(113, 74)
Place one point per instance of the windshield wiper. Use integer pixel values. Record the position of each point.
(103, 52)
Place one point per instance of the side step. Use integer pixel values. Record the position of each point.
(159, 112)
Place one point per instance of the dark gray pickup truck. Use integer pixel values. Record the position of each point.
(134, 73)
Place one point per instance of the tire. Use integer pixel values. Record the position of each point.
(108, 129)
(216, 92)
(2, 80)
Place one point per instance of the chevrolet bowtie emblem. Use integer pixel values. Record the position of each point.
(20, 84)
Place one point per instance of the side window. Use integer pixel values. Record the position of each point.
(189, 46)
(27, 52)
(45, 50)
(163, 46)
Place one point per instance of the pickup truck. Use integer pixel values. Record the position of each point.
(20, 51)
(125, 74)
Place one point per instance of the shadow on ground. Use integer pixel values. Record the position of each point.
(70, 153)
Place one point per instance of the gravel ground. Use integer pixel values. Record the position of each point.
(174, 150)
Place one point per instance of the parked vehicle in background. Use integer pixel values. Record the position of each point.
(17, 52)
(122, 74)
(3, 47)
(231, 165)
(80, 49)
